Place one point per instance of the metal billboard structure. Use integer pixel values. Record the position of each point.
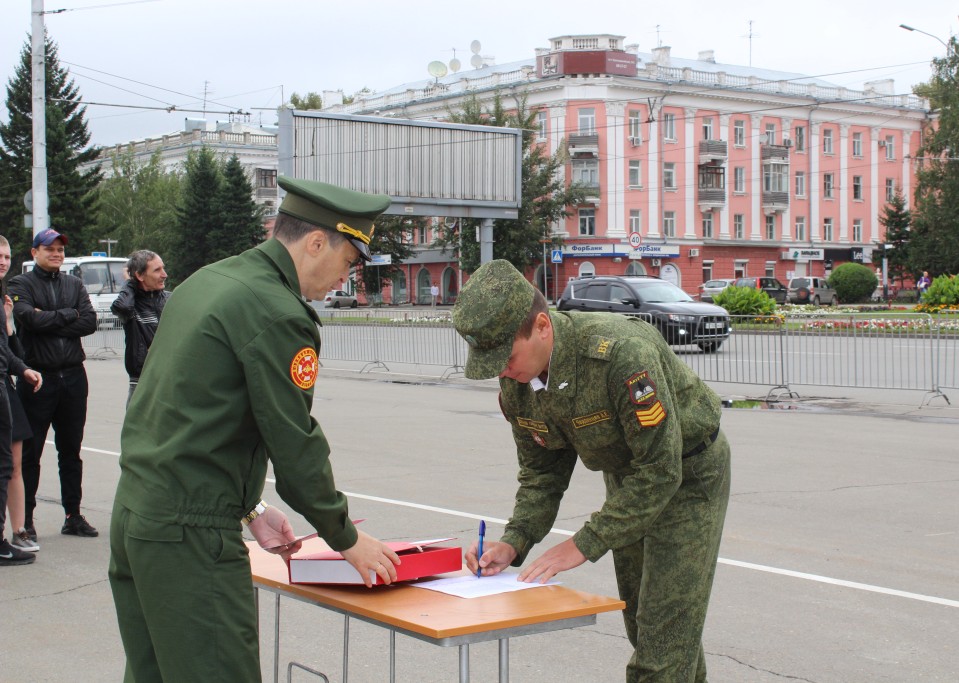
(428, 168)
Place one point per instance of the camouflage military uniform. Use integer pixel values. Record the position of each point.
(619, 399)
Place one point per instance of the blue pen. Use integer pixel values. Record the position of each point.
(479, 554)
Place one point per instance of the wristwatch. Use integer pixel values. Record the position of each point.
(254, 513)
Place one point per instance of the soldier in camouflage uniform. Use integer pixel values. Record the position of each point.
(606, 389)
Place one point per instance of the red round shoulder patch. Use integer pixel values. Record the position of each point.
(304, 367)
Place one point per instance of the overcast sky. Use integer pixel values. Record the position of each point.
(249, 55)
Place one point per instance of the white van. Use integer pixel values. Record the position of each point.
(102, 276)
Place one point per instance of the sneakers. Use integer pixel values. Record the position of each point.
(21, 539)
(76, 525)
(31, 532)
(10, 556)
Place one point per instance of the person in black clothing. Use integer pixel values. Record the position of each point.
(9, 363)
(53, 311)
(139, 307)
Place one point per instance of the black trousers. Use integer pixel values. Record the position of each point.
(61, 403)
(6, 455)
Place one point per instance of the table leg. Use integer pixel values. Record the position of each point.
(504, 660)
(465, 663)
(346, 648)
(276, 641)
(392, 656)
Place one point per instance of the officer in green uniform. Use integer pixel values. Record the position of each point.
(227, 386)
(606, 389)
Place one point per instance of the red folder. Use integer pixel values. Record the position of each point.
(419, 559)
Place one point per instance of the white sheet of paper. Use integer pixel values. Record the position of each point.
(471, 587)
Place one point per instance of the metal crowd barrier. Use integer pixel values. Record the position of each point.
(911, 351)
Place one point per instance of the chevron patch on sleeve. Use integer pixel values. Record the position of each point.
(651, 416)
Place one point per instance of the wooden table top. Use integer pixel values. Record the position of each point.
(430, 613)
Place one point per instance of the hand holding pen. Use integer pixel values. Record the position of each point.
(496, 556)
(479, 553)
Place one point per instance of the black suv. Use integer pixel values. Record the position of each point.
(679, 318)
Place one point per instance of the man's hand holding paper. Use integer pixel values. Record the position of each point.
(272, 530)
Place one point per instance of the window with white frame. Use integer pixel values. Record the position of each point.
(890, 148)
(739, 133)
(586, 172)
(707, 128)
(800, 183)
(775, 177)
(587, 221)
(669, 127)
(827, 229)
(827, 179)
(800, 228)
(669, 176)
(739, 179)
(587, 121)
(708, 224)
(669, 223)
(770, 269)
(857, 230)
(857, 187)
(635, 175)
(770, 137)
(739, 229)
(857, 145)
(739, 268)
(635, 127)
(890, 189)
(800, 138)
(421, 233)
(542, 119)
(707, 271)
(635, 220)
(827, 141)
(771, 227)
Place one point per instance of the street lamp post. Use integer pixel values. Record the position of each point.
(918, 30)
(109, 244)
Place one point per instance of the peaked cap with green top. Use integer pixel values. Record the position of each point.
(488, 313)
(336, 208)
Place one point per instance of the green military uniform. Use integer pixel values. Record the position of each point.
(227, 385)
(618, 399)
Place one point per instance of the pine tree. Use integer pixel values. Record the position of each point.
(198, 216)
(389, 238)
(934, 238)
(72, 197)
(895, 218)
(241, 220)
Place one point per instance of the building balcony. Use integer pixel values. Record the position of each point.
(712, 151)
(775, 202)
(266, 193)
(592, 193)
(775, 152)
(580, 144)
(710, 198)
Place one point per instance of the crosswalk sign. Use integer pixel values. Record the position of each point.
(557, 255)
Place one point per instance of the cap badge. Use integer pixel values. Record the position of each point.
(304, 367)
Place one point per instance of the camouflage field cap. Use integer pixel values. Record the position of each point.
(489, 310)
(335, 208)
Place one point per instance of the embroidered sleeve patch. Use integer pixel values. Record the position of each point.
(599, 347)
(533, 425)
(651, 416)
(589, 420)
(304, 367)
(642, 390)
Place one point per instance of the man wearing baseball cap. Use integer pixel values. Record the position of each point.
(53, 311)
(606, 389)
(227, 389)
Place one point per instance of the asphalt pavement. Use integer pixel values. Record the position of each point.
(839, 563)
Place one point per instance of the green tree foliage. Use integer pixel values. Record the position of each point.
(934, 240)
(942, 293)
(198, 216)
(853, 282)
(895, 218)
(72, 200)
(310, 100)
(745, 301)
(137, 205)
(240, 224)
(545, 198)
(390, 237)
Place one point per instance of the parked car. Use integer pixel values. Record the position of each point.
(338, 299)
(773, 287)
(811, 290)
(711, 288)
(678, 317)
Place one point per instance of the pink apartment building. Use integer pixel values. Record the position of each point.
(699, 169)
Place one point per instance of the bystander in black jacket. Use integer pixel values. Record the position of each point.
(51, 335)
(139, 311)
